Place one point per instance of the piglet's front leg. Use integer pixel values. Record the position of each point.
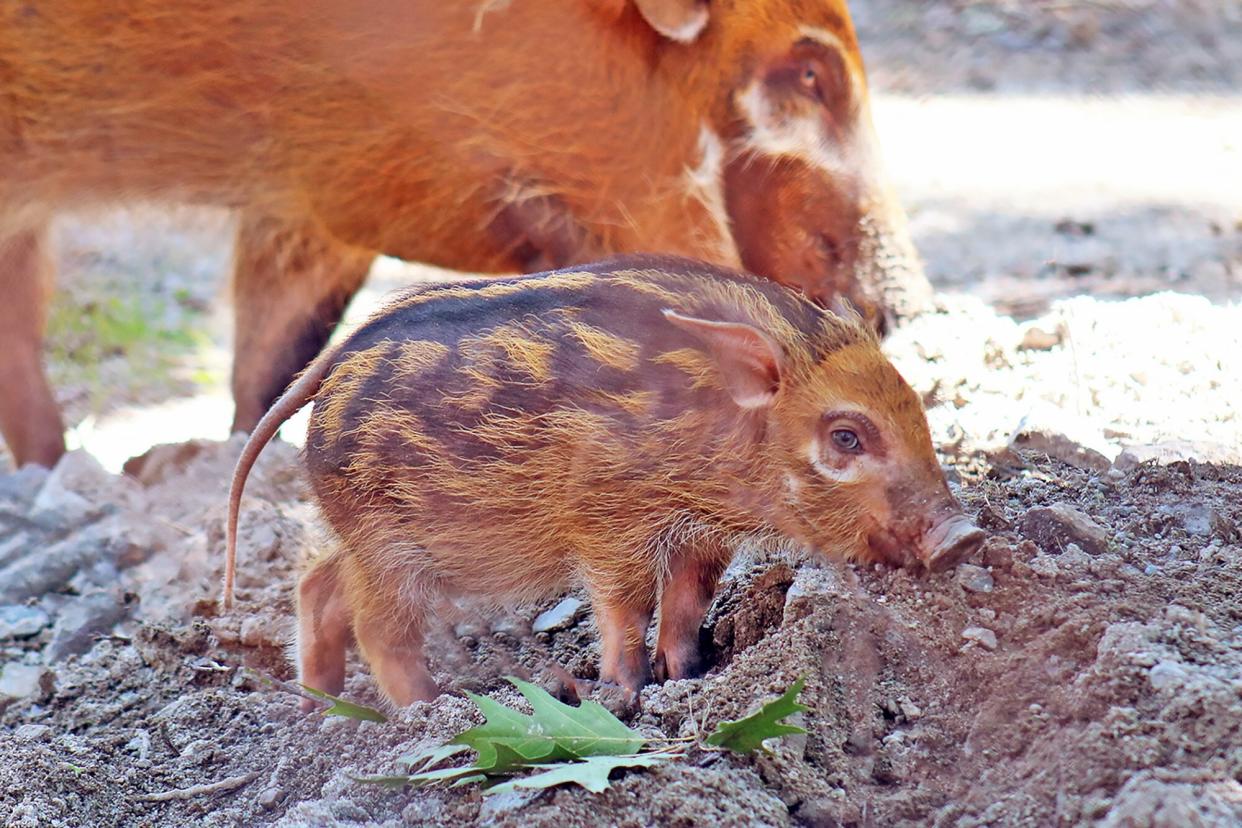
(687, 593)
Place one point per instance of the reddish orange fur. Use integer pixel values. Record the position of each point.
(635, 479)
(486, 137)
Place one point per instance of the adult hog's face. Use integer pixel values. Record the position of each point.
(802, 184)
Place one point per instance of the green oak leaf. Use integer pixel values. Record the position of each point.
(348, 709)
(747, 734)
(553, 731)
(591, 773)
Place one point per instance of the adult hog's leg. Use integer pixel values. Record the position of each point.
(688, 592)
(323, 629)
(29, 417)
(291, 283)
(393, 647)
(623, 618)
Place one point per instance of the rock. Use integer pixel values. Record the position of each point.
(270, 798)
(1035, 338)
(498, 806)
(980, 635)
(997, 553)
(1166, 675)
(43, 570)
(559, 617)
(20, 680)
(1060, 447)
(1073, 558)
(32, 733)
(1147, 800)
(263, 631)
(22, 486)
(21, 621)
(508, 625)
(1055, 526)
(74, 489)
(14, 546)
(974, 578)
(811, 587)
(160, 462)
(1045, 566)
(1178, 451)
(82, 620)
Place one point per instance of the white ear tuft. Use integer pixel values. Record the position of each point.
(679, 20)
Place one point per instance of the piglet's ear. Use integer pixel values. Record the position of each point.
(749, 361)
(679, 20)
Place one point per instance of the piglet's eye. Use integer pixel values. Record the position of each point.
(846, 440)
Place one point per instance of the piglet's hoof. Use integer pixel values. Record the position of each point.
(620, 701)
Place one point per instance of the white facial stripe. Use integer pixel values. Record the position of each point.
(803, 137)
(799, 137)
(849, 474)
(705, 184)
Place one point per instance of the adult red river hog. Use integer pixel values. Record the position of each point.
(487, 136)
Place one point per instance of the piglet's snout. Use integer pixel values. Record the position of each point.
(950, 541)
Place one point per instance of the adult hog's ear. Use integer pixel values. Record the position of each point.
(749, 361)
(680, 20)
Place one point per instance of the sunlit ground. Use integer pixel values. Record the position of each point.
(1151, 186)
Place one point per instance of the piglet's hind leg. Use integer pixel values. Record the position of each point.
(323, 630)
(393, 647)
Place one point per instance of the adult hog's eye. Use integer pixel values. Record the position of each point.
(847, 441)
(810, 79)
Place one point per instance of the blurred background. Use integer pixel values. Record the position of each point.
(1044, 149)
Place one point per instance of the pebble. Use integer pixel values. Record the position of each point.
(558, 617)
(981, 636)
(270, 798)
(21, 621)
(1151, 569)
(1177, 450)
(20, 680)
(1073, 558)
(64, 495)
(48, 568)
(22, 485)
(32, 732)
(1166, 675)
(82, 620)
(1045, 566)
(498, 806)
(974, 578)
(1055, 526)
